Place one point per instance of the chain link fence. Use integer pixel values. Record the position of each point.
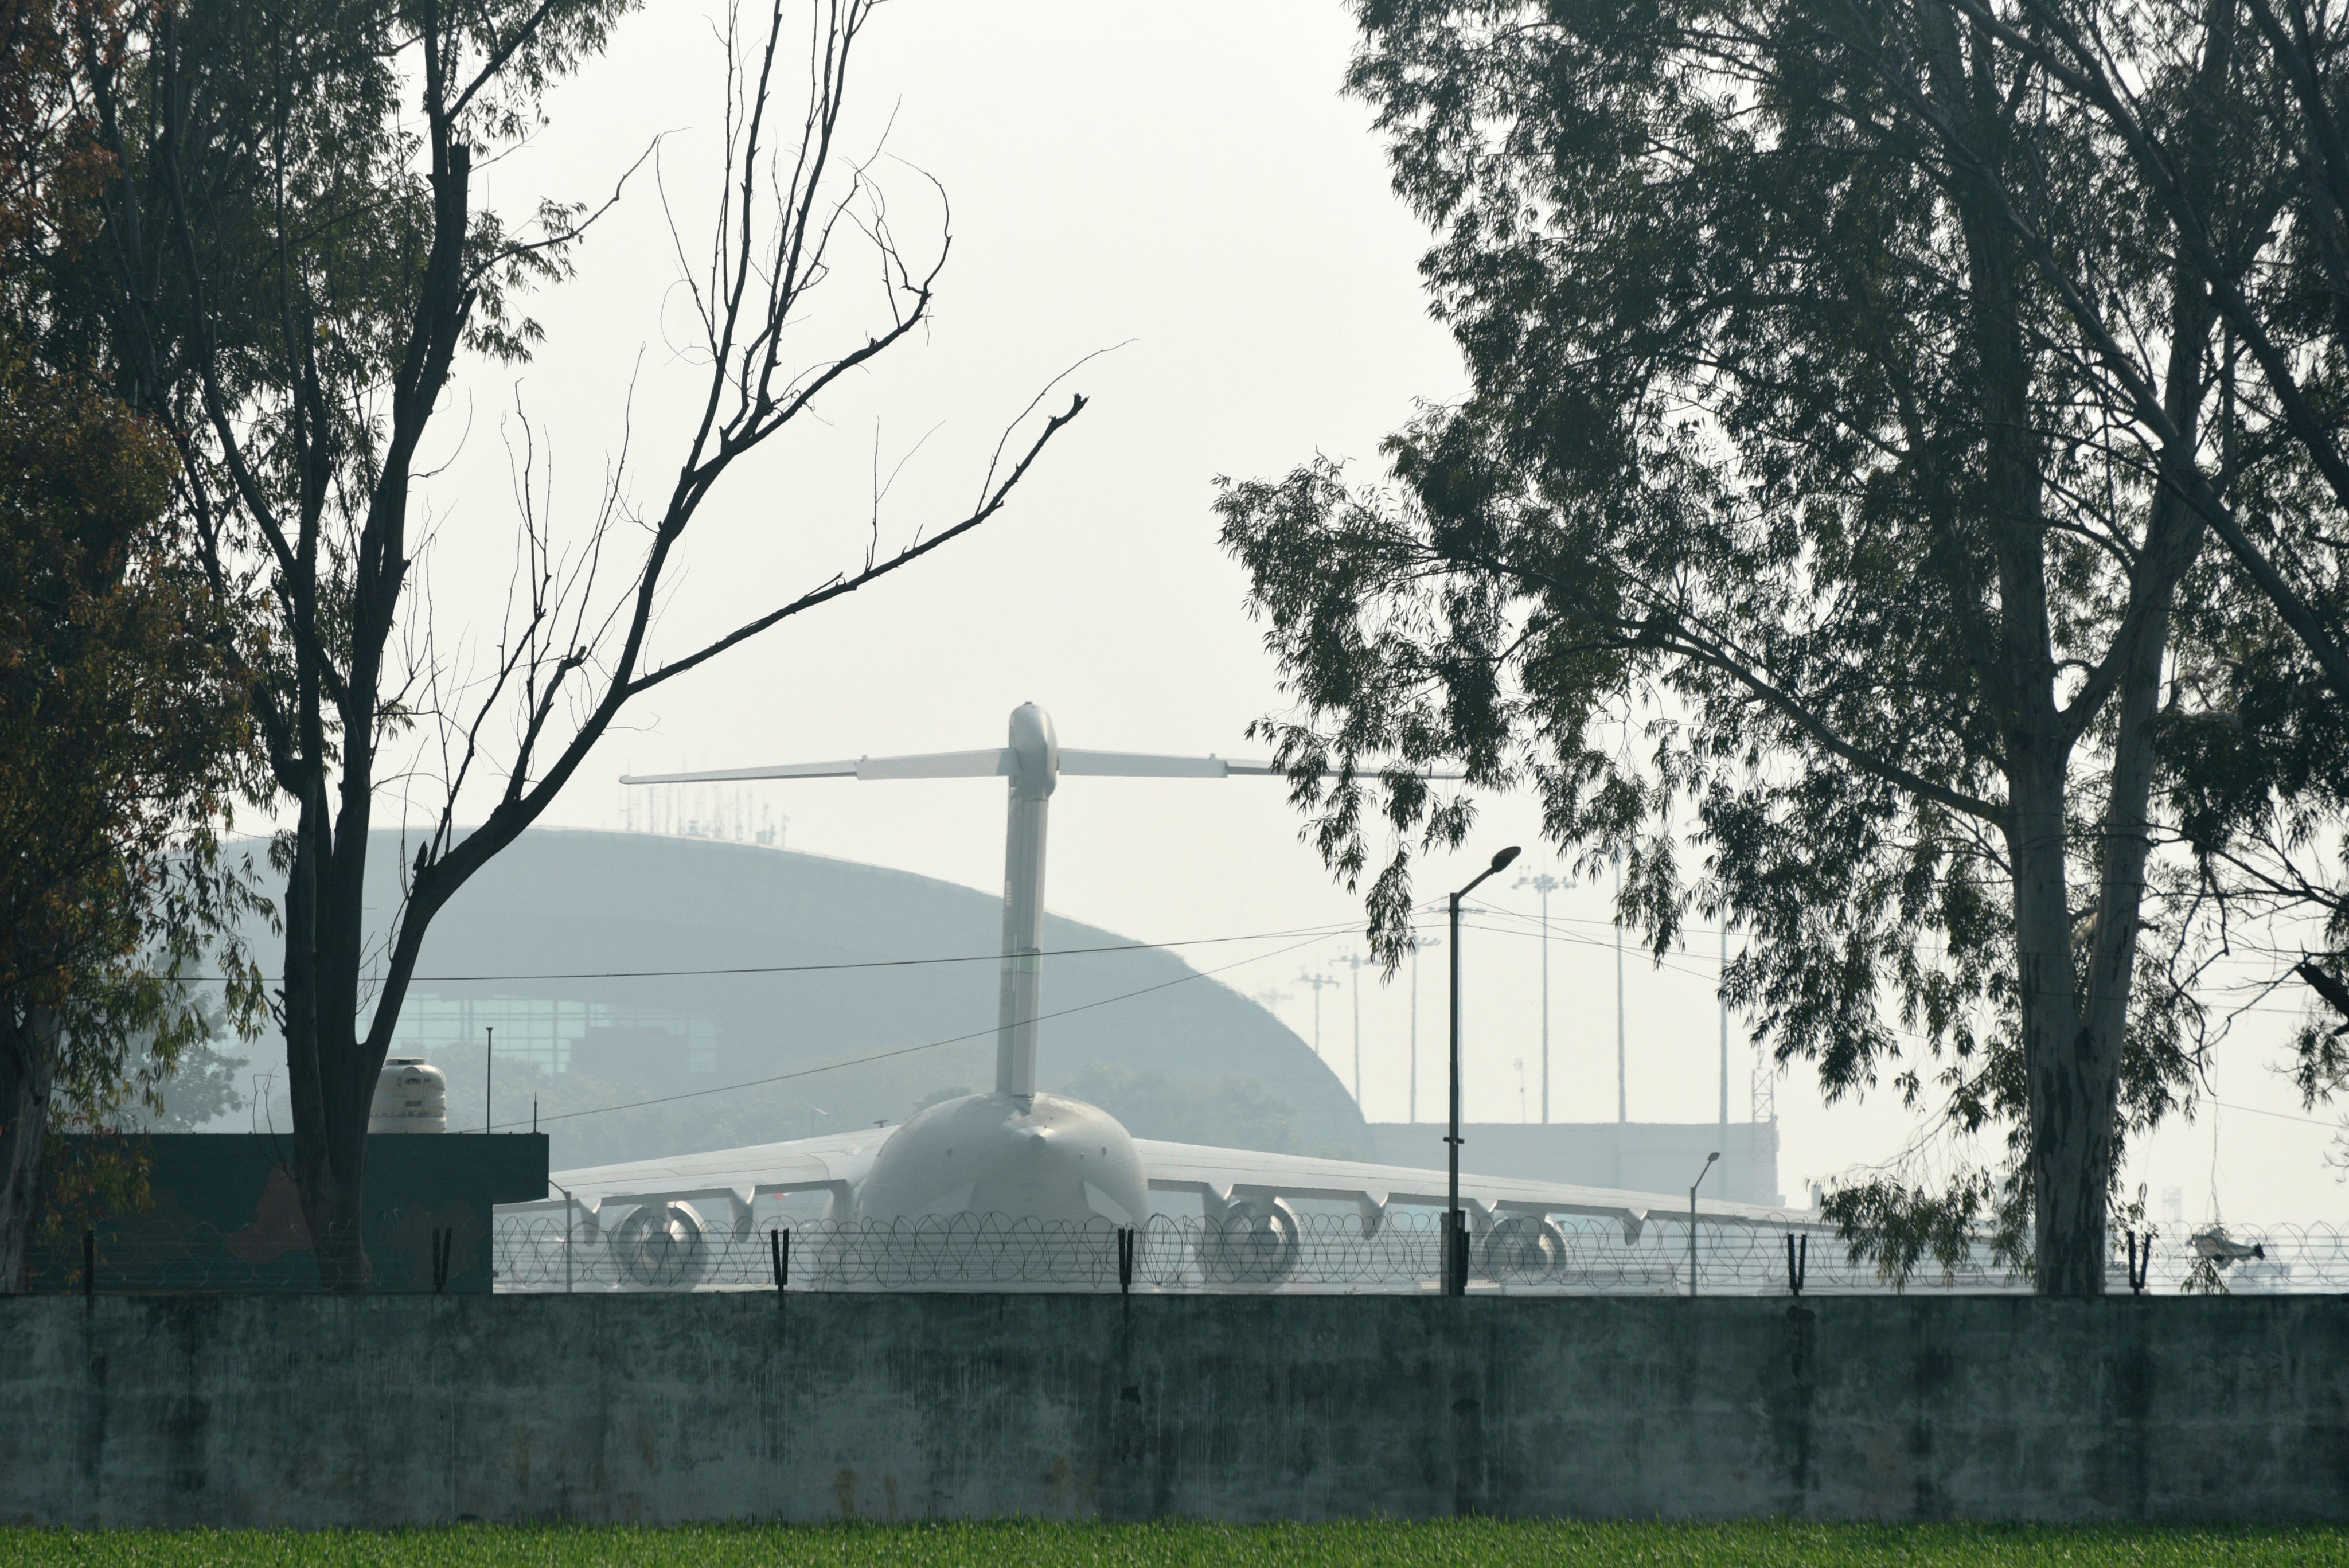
(1256, 1246)
(1261, 1246)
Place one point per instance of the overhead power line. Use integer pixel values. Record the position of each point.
(929, 1045)
(855, 964)
(1568, 937)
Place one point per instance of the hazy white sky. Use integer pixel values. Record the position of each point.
(1188, 189)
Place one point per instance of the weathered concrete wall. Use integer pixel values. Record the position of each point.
(310, 1411)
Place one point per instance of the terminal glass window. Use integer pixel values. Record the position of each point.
(542, 1030)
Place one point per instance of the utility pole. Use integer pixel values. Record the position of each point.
(1357, 962)
(1417, 942)
(1725, 1019)
(1544, 884)
(1320, 982)
(1623, 1095)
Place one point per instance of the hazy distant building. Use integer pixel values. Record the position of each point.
(654, 994)
(561, 943)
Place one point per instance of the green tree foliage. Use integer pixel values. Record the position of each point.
(199, 1090)
(290, 260)
(123, 736)
(1788, 516)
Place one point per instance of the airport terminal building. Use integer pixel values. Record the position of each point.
(647, 994)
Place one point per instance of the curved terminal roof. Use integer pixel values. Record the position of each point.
(606, 908)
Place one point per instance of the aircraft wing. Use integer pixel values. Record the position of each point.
(734, 1177)
(837, 1162)
(1224, 1174)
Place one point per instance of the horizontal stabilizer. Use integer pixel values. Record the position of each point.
(774, 770)
(995, 763)
(1142, 765)
(991, 763)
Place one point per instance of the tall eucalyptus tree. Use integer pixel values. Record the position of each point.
(2260, 783)
(1787, 508)
(123, 732)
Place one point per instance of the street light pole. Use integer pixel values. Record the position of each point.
(1455, 1240)
(1692, 1186)
(1725, 1019)
(1544, 884)
(1417, 942)
(1622, 1091)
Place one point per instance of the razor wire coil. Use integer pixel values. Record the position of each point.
(1254, 1248)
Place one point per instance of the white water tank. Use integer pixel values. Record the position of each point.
(411, 1095)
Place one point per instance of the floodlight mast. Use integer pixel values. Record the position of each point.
(1033, 763)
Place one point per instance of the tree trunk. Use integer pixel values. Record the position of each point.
(331, 1179)
(28, 1057)
(2070, 1128)
(2071, 1156)
(2071, 998)
(2069, 1137)
(325, 918)
(331, 1066)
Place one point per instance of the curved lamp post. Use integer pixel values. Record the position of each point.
(1455, 1233)
(1692, 1186)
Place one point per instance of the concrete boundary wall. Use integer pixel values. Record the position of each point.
(311, 1411)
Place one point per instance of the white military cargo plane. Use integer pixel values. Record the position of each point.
(1027, 1156)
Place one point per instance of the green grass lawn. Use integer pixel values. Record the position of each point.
(1352, 1545)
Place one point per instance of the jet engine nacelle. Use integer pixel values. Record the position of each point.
(1254, 1241)
(663, 1246)
(1523, 1247)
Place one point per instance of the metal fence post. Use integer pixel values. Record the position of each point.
(89, 1262)
(570, 1211)
(1125, 1260)
(778, 1255)
(1798, 1262)
(1456, 1252)
(2140, 1262)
